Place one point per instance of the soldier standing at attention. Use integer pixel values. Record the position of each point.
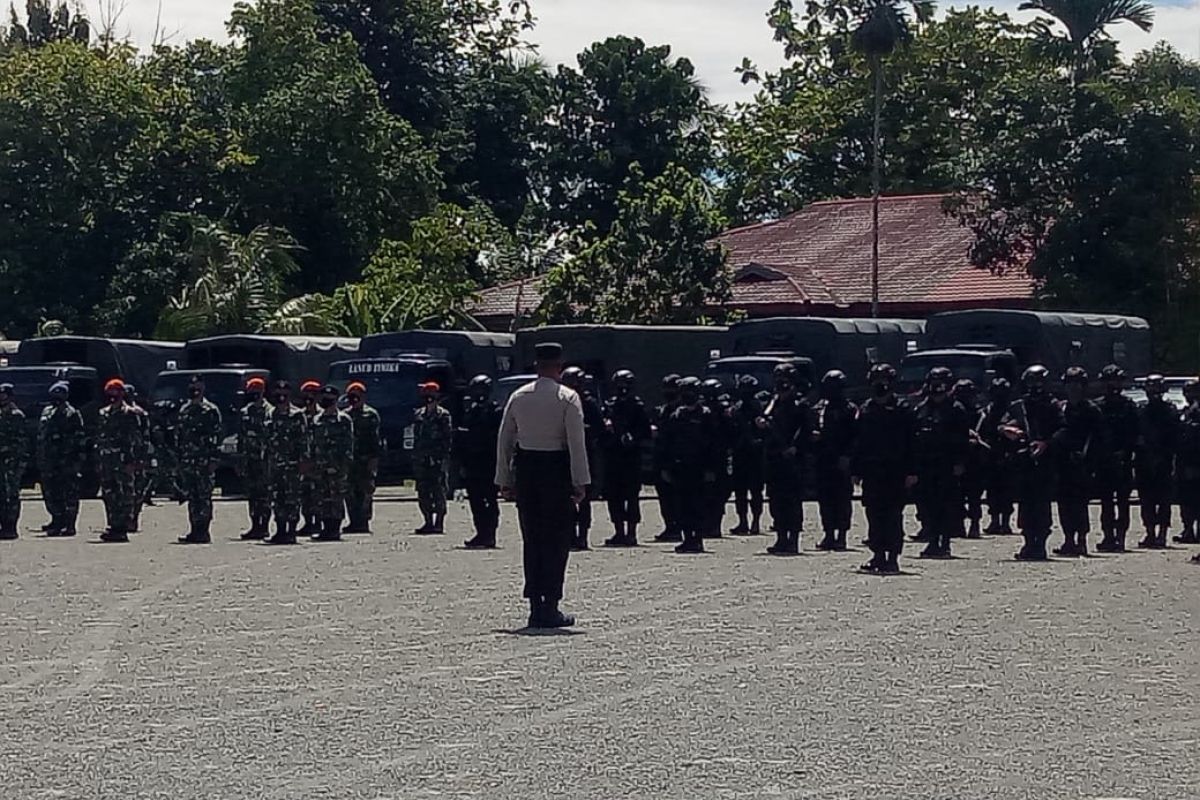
(691, 447)
(1155, 461)
(541, 462)
(942, 439)
(164, 441)
(309, 392)
(120, 447)
(749, 458)
(60, 450)
(254, 463)
(626, 429)
(144, 480)
(1032, 422)
(999, 457)
(332, 453)
(966, 394)
(1189, 466)
(14, 452)
(433, 439)
(790, 426)
(288, 453)
(475, 447)
(199, 448)
(836, 425)
(884, 461)
(1082, 423)
(667, 505)
(593, 423)
(716, 401)
(1114, 446)
(360, 500)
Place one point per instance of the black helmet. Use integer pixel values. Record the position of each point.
(1075, 375)
(690, 388)
(748, 383)
(833, 383)
(965, 386)
(786, 370)
(480, 386)
(624, 379)
(1000, 389)
(711, 388)
(1155, 383)
(1035, 378)
(881, 372)
(939, 379)
(1112, 373)
(671, 382)
(572, 377)
(1191, 390)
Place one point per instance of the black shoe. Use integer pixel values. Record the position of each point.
(480, 542)
(254, 535)
(669, 536)
(874, 565)
(922, 536)
(580, 543)
(755, 529)
(282, 538)
(993, 528)
(309, 528)
(1152, 543)
(1030, 554)
(890, 567)
(1187, 537)
(8, 534)
(828, 543)
(616, 540)
(780, 545)
(195, 538)
(690, 546)
(49, 526)
(974, 531)
(424, 530)
(65, 532)
(931, 551)
(1106, 545)
(356, 527)
(741, 529)
(115, 537)
(547, 616)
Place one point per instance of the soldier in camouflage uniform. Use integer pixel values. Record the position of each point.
(60, 450)
(253, 460)
(199, 447)
(332, 453)
(432, 441)
(287, 453)
(360, 499)
(14, 452)
(143, 482)
(164, 428)
(120, 448)
(309, 391)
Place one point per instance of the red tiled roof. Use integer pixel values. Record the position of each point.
(512, 299)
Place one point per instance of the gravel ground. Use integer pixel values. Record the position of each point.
(392, 666)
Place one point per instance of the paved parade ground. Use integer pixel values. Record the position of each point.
(392, 666)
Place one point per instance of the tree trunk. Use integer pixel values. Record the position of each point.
(876, 183)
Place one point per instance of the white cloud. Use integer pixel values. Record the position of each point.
(714, 34)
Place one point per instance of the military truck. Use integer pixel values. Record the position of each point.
(651, 351)
(135, 361)
(469, 353)
(977, 363)
(31, 393)
(760, 367)
(290, 358)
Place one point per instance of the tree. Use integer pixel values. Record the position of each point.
(626, 104)
(45, 24)
(658, 265)
(1087, 23)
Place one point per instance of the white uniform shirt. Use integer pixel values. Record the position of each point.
(543, 416)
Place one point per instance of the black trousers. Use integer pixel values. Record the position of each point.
(940, 494)
(546, 514)
(1001, 487)
(884, 499)
(1114, 484)
(667, 504)
(835, 491)
(691, 490)
(787, 503)
(1154, 493)
(748, 481)
(623, 490)
(485, 505)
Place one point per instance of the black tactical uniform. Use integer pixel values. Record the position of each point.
(717, 402)
(966, 394)
(664, 490)
(626, 430)
(1082, 424)
(593, 422)
(1113, 457)
(942, 440)
(749, 464)
(884, 460)
(475, 449)
(790, 426)
(1154, 463)
(691, 450)
(1188, 466)
(836, 425)
(999, 458)
(1033, 422)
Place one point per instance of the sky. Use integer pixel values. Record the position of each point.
(714, 34)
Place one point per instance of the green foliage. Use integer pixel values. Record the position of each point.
(658, 265)
(44, 24)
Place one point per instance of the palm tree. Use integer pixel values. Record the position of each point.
(883, 26)
(1087, 22)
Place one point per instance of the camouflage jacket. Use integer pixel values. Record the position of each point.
(199, 432)
(332, 441)
(61, 441)
(287, 437)
(252, 431)
(119, 437)
(367, 444)
(14, 442)
(433, 434)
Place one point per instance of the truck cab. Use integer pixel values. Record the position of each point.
(978, 363)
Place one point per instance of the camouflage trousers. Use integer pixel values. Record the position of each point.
(118, 488)
(330, 492)
(308, 495)
(257, 478)
(167, 479)
(284, 491)
(196, 486)
(431, 487)
(360, 495)
(60, 492)
(10, 495)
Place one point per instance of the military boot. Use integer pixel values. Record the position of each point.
(828, 542)
(53, 527)
(791, 544)
(285, 533)
(669, 535)
(426, 526)
(1188, 535)
(68, 528)
(330, 532)
(891, 564)
(756, 526)
(198, 535)
(742, 528)
(692, 543)
(257, 532)
(1108, 544)
(8, 532)
(618, 537)
(1149, 542)
(993, 527)
(975, 530)
(875, 564)
(839, 542)
(1068, 547)
(484, 540)
(780, 545)
(115, 536)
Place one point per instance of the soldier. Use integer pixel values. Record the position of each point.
(1188, 465)
(475, 448)
(332, 443)
(253, 458)
(14, 452)
(288, 453)
(691, 452)
(310, 391)
(837, 419)
(61, 447)
(593, 423)
(164, 427)
(199, 448)
(144, 480)
(432, 442)
(664, 490)
(715, 400)
(360, 499)
(1082, 422)
(626, 429)
(790, 426)
(120, 447)
(884, 462)
(1154, 462)
(749, 458)
(1113, 447)
(1031, 424)
(966, 394)
(999, 458)
(942, 439)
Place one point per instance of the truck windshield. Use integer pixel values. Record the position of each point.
(389, 384)
(31, 387)
(914, 368)
(223, 390)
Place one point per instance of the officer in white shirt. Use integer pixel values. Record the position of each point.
(541, 462)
